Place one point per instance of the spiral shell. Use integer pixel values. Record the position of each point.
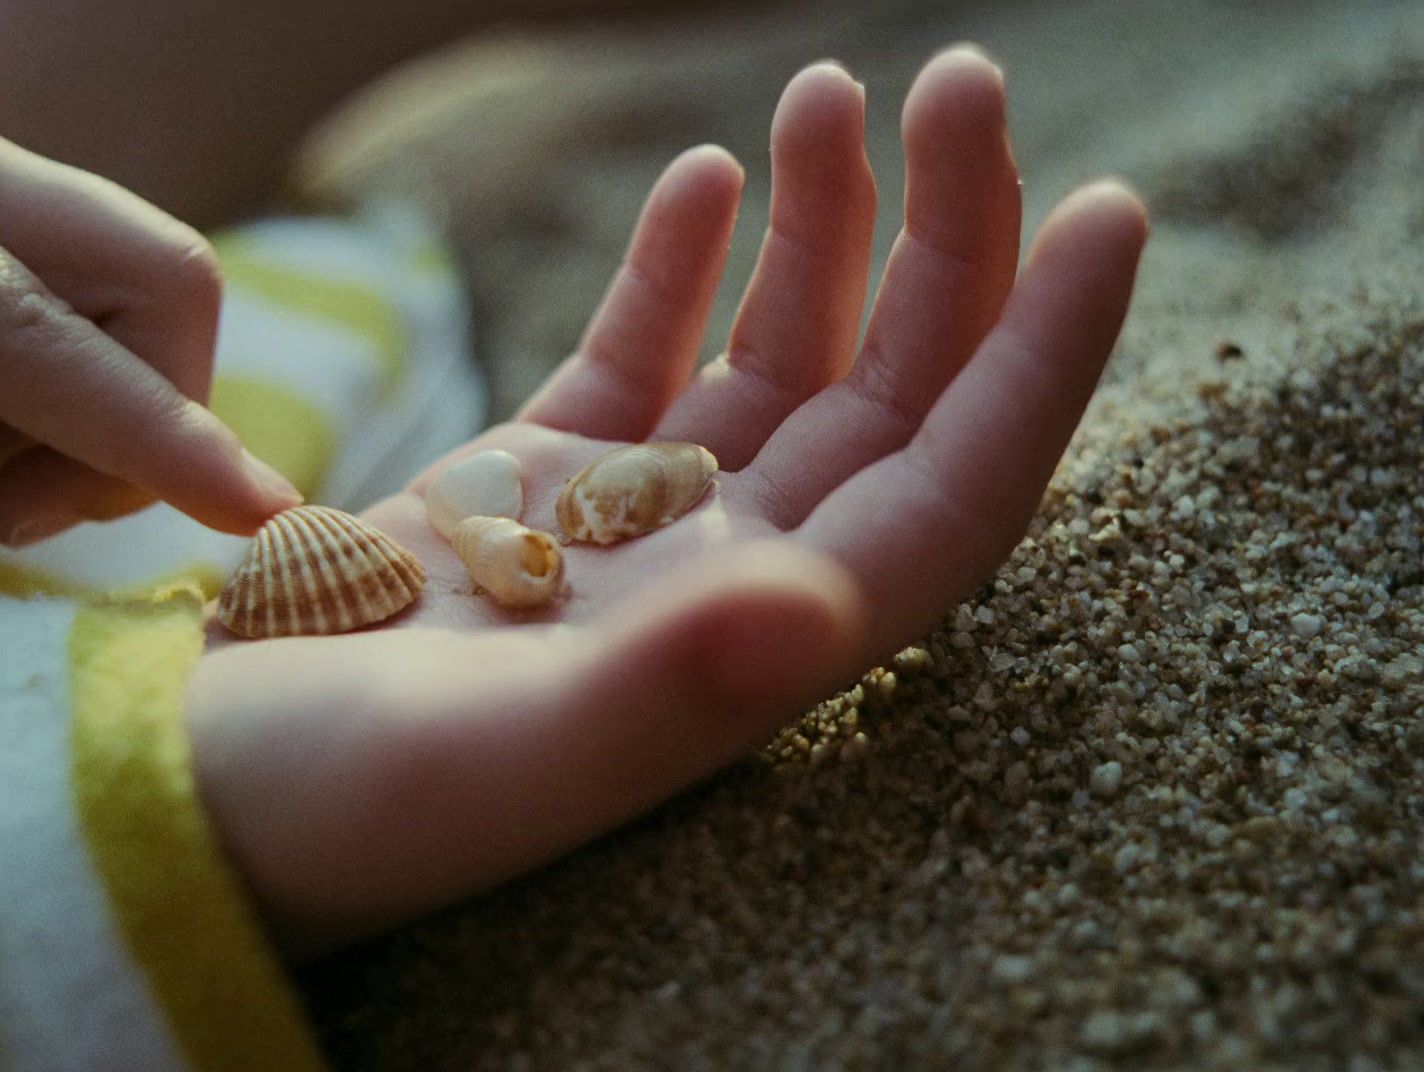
(315, 570)
(485, 484)
(517, 566)
(634, 490)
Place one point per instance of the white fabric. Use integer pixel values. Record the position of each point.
(441, 401)
(438, 403)
(333, 368)
(68, 992)
(131, 551)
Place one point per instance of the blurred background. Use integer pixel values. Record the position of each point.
(1244, 124)
(533, 131)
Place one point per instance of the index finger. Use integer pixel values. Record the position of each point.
(72, 387)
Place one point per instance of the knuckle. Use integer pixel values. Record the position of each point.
(195, 270)
(1019, 365)
(656, 290)
(774, 498)
(31, 320)
(113, 499)
(195, 422)
(768, 377)
(876, 386)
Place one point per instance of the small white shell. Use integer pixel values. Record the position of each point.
(485, 484)
(517, 566)
(315, 570)
(634, 490)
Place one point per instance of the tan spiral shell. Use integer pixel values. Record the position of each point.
(517, 566)
(634, 490)
(315, 570)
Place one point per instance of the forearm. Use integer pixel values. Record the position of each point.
(197, 106)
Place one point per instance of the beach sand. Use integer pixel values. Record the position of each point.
(1152, 799)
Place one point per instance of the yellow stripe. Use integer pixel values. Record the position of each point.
(279, 426)
(177, 905)
(351, 305)
(432, 260)
(24, 582)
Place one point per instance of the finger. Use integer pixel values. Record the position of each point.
(642, 343)
(944, 285)
(70, 386)
(151, 283)
(42, 493)
(491, 755)
(927, 525)
(12, 444)
(797, 327)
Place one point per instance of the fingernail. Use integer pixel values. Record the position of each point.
(273, 484)
(837, 65)
(32, 530)
(970, 48)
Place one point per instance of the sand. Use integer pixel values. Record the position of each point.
(1152, 799)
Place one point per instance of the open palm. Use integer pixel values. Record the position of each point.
(359, 780)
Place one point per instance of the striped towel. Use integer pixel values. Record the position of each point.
(126, 942)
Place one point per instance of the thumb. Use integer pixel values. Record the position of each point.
(691, 678)
(681, 683)
(521, 747)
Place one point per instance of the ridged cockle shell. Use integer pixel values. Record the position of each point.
(485, 484)
(634, 490)
(517, 566)
(315, 570)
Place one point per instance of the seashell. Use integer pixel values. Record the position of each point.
(486, 484)
(315, 570)
(518, 566)
(634, 490)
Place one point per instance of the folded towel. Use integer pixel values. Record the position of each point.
(126, 942)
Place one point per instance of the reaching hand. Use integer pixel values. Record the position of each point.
(108, 315)
(359, 780)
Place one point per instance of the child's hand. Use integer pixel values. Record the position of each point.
(108, 314)
(362, 779)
